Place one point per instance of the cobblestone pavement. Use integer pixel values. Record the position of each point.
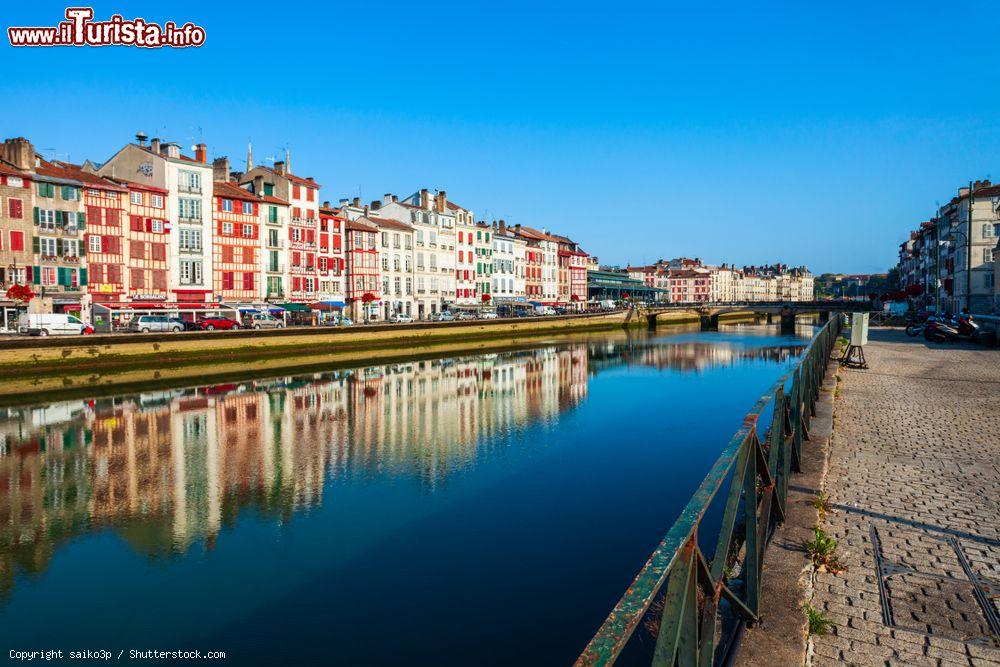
(914, 481)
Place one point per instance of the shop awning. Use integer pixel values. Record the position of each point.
(297, 307)
(328, 305)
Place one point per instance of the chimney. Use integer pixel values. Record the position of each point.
(441, 201)
(425, 199)
(288, 161)
(258, 185)
(140, 138)
(356, 202)
(201, 154)
(19, 152)
(395, 199)
(279, 167)
(344, 202)
(387, 198)
(220, 169)
(986, 183)
(503, 226)
(154, 145)
(376, 205)
(326, 204)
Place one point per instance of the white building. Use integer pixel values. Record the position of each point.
(508, 266)
(189, 183)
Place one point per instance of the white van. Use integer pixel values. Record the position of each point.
(51, 324)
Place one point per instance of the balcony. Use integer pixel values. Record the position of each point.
(187, 187)
(189, 217)
(277, 245)
(275, 268)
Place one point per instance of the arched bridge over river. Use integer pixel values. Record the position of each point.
(787, 311)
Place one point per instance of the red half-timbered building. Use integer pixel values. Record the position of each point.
(362, 267)
(146, 242)
(330, 254)
(235, 243)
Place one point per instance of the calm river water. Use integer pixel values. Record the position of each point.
(474, 510)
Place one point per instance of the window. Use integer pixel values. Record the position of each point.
(70, 193)
(248, 281)
(248, 208)
(248, 255)
(156, 226)
(135, 198)
(69, 248)
(46, 219)
(227, 228)
(385, 239)
(156, 201)
(248, 231)
(189, 181)
(296, 192)
(190, 240)
(137, 249)
(94, 243)
(988, 255)
(48, 275)
(17, 241)
(227, 205)
(190, 272)
(46, 190)
(227, 280)
(15, 208)
(47, 246)
(190, 209)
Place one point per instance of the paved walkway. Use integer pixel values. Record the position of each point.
(914, 480)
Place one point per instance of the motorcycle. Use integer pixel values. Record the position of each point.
(967, 328)
(938, 331)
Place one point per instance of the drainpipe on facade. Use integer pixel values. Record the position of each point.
(968, 256)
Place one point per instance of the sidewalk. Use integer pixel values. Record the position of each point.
(914, 483)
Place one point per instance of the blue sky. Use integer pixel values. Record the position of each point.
(815, 133)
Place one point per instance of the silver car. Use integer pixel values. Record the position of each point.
(155, 323)
(265, 321)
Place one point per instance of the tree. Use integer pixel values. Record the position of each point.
(21, 293)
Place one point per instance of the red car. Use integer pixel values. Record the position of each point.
(223, 323)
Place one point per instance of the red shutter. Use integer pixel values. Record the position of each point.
(105, 243)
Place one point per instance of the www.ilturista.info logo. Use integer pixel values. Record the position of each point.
(79, 29)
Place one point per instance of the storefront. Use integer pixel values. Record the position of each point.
(299, 314)
(329, 312)
(9, 312)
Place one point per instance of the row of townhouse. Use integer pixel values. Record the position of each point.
(151, 226)
(685, 280)
(949, 263)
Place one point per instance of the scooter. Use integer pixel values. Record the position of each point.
(937, 331)
(967, 328)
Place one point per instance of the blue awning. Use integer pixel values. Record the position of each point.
(333, 304)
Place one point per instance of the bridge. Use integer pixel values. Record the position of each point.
(787, 311)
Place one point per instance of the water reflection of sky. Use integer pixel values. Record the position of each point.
(469, 500)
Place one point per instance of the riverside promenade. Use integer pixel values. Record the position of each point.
(913, 483)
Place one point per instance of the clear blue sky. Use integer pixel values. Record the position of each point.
(800, 132)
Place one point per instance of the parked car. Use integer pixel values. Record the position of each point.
(52, 324)
(488, 315)
(466, 315)
(264, 321)
(400, 318)
(191, 325)
(445, 316)
(545, 310)
(223, 323)
(155, 323)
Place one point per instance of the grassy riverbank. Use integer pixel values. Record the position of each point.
(35, 369)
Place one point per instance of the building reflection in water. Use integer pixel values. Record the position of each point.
(168, 469)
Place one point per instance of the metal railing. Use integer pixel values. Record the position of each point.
(705, 603)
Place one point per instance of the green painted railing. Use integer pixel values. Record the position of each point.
(706, 603)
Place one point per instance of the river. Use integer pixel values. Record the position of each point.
(485, 509)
